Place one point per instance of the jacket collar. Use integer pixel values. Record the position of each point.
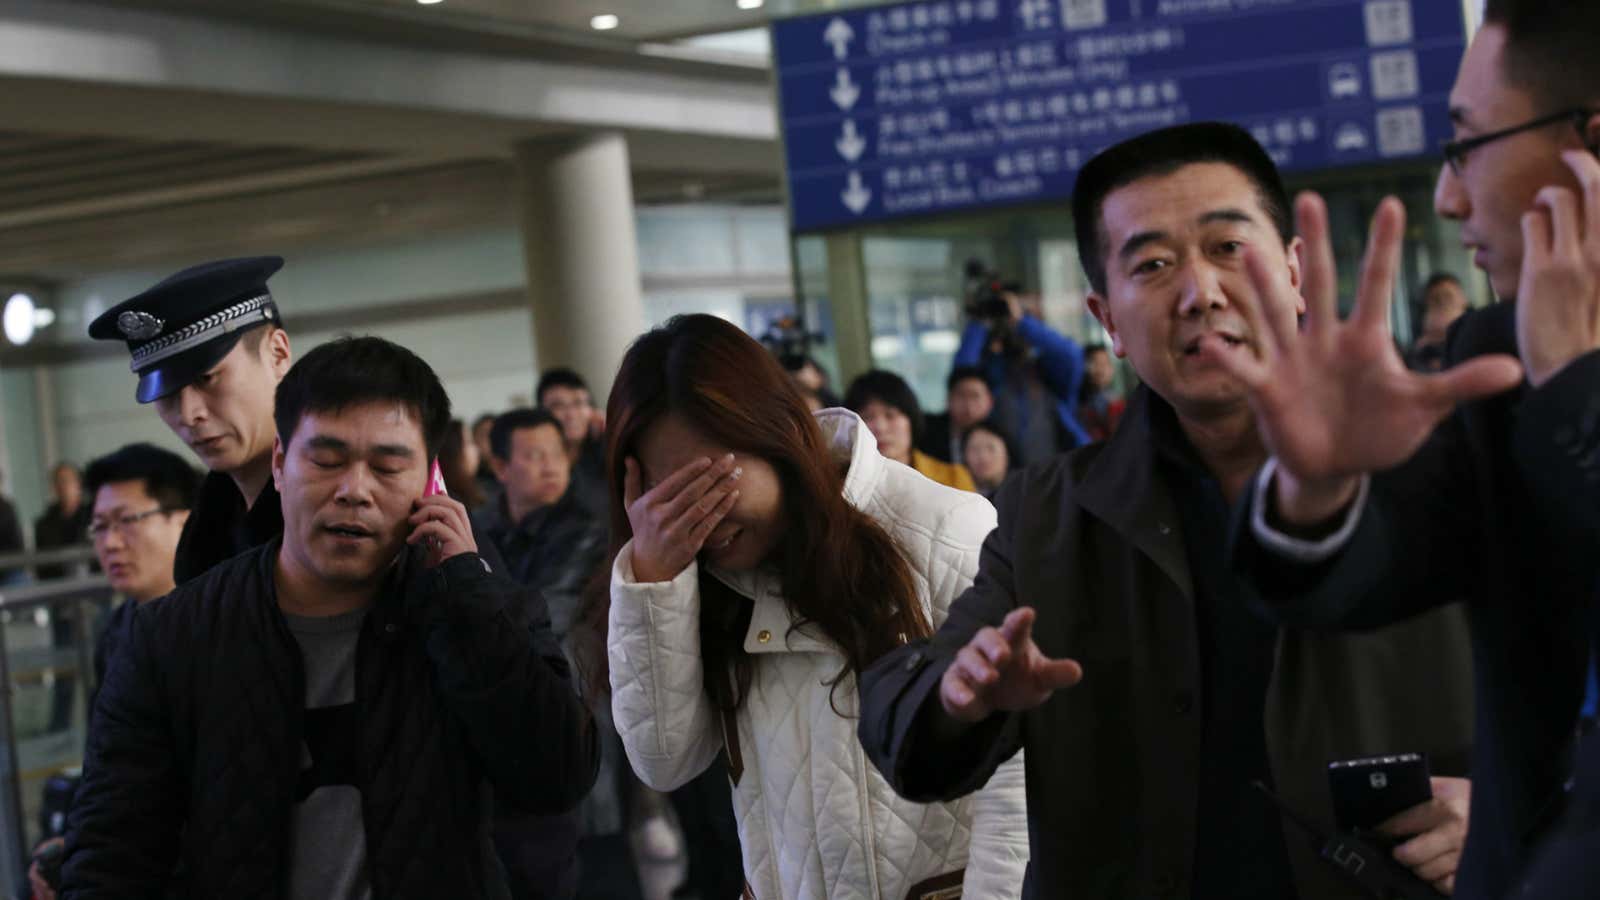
(497, 516)
(401, 584)
(1123, 487)
(772, 624)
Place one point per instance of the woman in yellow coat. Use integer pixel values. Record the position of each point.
(886, 403)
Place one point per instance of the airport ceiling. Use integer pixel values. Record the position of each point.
(73, 205)
(507, 21)
(74, 201)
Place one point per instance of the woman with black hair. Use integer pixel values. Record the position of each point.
(990, 455)
(886, 403)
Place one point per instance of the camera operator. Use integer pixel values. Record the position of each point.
(1034, 371)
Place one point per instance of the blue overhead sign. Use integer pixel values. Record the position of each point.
(943, 105)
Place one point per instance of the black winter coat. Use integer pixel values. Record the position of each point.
(194, 753)
(220, 527)
(1093, 540)
(1498, 509)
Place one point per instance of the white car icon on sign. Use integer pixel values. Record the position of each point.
(1350, 136)
(1344, 81)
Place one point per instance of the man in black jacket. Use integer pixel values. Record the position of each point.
(968, 401)
(326, 716)
(552, 543)
(209, 348)
(1497, 501)
(140, 497)
(1109, 564)
(566, 395)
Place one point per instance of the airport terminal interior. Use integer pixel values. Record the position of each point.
(506, 187)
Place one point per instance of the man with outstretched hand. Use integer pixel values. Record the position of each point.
(1107, 635)
(1390, 493)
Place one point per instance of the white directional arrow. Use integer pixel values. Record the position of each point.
(850, 144)
(856, 195)
(839, 34)
(844, 93)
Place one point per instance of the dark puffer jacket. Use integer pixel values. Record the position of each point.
(195, 747)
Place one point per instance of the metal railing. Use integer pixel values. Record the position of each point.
(76, 559)
(47, 633)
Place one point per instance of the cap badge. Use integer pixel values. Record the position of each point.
(139, 326)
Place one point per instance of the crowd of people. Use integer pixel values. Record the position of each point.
(1058, 640)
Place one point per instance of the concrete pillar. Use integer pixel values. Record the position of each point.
(581, 253)
(847, 294)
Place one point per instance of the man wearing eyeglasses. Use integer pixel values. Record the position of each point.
(1390, 492)
(142, 497)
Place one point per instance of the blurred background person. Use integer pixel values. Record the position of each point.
(1034, 371)
(566, 395)
(488, 486)
(552, 542)
(65, 523)
(810, 379)
(968, 401)
(887, 405)
(459, 462)
(990, 454)
(1443, 302)
(10, 540)
(548, 539)
(1101, 403)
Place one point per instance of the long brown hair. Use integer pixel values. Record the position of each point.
(461, 483)
(840, 570)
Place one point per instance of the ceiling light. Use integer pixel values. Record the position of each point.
(604, 22)
(751, 4)
(18, 319)
(429, 2)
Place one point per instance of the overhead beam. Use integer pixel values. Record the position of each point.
(86, 44)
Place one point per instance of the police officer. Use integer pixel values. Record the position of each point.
(209, 350)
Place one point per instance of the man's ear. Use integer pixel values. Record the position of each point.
(1100, 307)
(1591, 134)
(278, 454)
(279, 356)
(498, 467)
(1295, 258)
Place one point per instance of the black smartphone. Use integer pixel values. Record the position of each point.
(1369, 791)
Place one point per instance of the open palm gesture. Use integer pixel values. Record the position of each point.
(1334, 400)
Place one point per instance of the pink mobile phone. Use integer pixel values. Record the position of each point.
(435, 489)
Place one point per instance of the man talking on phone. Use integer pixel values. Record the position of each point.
(328, 715)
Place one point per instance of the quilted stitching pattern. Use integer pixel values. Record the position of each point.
(815, 819)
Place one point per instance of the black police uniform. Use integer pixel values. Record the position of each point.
(176, 332)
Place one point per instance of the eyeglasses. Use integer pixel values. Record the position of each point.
(124, 524)
(1455, 152)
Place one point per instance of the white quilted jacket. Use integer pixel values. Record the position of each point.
(816, 821)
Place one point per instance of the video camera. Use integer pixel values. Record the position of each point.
(985, 292)
(788, 338)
